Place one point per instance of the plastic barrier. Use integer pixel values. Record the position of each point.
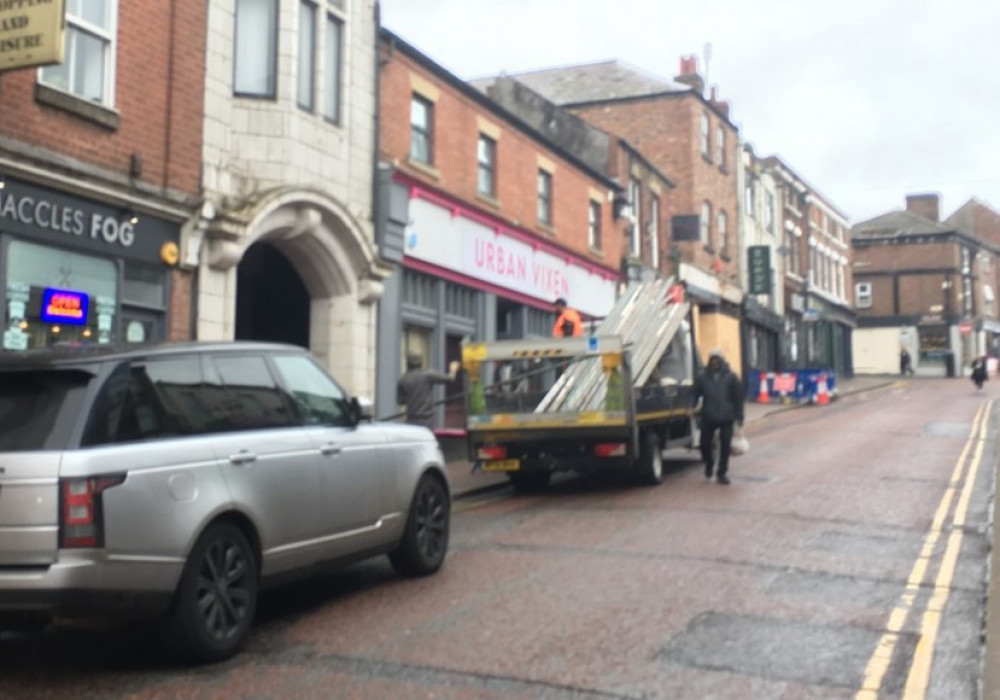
(794, 386)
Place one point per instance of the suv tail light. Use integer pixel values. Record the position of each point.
(81, 515)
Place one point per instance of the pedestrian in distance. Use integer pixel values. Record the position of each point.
(568, 323)
(905, 362)
(721, 395)
(415, 390)
(979, 372)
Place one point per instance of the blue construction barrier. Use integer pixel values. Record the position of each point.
(793, 386)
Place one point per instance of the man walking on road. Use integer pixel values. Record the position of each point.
(721, 394)
(415, 390)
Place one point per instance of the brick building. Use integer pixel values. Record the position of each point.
(492, 220)
(926, 286)
(691, 140)
(287, 249)
(819, 319)
(762, 268)
(646, 205)
(99, 173)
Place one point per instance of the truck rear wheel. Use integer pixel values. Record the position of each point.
(650, 462)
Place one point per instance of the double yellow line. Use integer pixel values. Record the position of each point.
(920, 669)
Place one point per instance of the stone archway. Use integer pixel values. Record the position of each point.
(333, 255)
(272, 302)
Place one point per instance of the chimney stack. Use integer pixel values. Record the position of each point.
(925, 205)
(721, 105)
(689, 74)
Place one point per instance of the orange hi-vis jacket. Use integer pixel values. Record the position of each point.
(570, 318)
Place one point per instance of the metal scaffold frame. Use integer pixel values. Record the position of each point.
(646, 318)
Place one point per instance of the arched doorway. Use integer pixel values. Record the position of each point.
(272, 302)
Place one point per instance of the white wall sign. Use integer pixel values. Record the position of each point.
(136, 332)
(478, 251)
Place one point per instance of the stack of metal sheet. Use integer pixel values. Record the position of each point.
(646, 320)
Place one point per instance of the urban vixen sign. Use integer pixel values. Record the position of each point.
(31, 33)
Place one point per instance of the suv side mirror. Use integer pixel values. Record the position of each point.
(362, 408)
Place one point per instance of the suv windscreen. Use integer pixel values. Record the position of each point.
(38, 409)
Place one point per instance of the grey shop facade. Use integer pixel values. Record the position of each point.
(77, 271)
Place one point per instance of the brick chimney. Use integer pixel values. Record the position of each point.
(689, 74)
(925, 205)
(721, 105)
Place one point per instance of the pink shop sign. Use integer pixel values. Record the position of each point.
(509, 263)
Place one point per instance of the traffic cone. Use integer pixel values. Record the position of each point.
(763, 396)
(822, 393)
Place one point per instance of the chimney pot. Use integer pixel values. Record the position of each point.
(689, 74)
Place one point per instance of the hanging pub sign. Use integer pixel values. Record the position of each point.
(759, 267)
(31, 33)
(64, 306)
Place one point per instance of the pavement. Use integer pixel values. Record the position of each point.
(466, 483)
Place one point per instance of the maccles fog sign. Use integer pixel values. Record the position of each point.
(31, 33)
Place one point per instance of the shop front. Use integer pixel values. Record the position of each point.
(715, 308)
(989, 338)
(762, 332)
(467, 275)
(78, 272)
(828, 336)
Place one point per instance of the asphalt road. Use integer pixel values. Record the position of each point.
(849, 553)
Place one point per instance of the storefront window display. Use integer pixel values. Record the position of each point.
(56, 296)
(144, 296)
(933, 343)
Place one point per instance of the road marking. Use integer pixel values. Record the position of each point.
(923, 656)
(879, 662)
(462, 505)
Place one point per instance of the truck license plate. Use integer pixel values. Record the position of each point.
(502, 465)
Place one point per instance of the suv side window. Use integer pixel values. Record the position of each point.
(148, 400)
(164, 399)
(253, 398)
(105, 414)
(317, 397)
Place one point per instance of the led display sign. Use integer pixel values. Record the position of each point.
(64, 306)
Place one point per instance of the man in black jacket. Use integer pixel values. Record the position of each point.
(721, 394)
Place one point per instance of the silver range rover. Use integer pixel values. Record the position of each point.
(172, 482)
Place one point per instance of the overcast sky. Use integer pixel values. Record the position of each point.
(868, 100)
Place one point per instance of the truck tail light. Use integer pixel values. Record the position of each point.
(610, 449)
(492, 452)
(81, 514)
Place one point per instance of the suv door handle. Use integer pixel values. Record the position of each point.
(242, 457)
(330, 449)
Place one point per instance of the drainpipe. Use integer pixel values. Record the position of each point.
(376, 117)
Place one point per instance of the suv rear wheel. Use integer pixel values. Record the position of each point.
(216, 598)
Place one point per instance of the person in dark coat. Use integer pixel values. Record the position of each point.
(979, 372)
(721, 395)
(415, 390)
(905, 362)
